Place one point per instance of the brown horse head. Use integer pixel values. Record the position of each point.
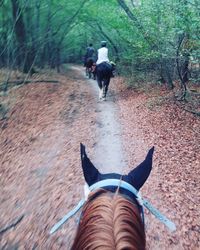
(111, 218)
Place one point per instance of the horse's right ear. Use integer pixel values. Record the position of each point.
(139, 175)
(91, 174)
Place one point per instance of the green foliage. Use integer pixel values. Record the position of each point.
(64, 28)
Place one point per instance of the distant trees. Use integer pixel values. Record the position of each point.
(160, 36)
(171, 31)
(34, 33)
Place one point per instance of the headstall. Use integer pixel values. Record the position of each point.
(120, 184)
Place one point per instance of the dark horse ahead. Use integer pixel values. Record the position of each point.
(104, 71)
(90, 68)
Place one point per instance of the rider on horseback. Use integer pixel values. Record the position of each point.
(102, 53)
(103, 57)
(90, 54)
(104, 71)
(89, 61)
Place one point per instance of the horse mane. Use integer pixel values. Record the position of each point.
(109, 221)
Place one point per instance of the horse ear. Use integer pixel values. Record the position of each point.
(139, 175)
(91, 174)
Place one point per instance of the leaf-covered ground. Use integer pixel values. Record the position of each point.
(153, 118)
(41, 177)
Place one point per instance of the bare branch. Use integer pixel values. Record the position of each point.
(13, 224)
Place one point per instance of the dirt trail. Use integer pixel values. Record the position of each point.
(108, 150)
(41, 176)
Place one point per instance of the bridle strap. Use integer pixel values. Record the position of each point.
(121, 184)
(67, 216)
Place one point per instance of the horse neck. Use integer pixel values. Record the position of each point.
(110, 221)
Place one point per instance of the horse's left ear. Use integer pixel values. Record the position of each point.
(91, 174)
(139, 175)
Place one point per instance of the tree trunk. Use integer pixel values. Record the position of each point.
(58, 60)
(20, 32)
(183, 69)
(166, 73)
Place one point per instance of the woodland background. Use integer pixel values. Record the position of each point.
(48, 106)
(148, 39)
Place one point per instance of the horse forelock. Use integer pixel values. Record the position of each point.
(110, 221)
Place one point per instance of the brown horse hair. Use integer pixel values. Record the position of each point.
(110, 221)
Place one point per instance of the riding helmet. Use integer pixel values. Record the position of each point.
(103, 43)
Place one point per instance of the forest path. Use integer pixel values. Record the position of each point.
(108, 149)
